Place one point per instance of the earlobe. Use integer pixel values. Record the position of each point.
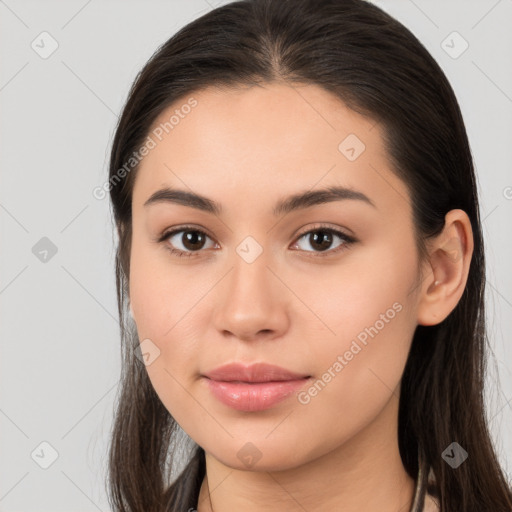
(449, 260)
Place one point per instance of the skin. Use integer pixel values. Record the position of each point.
(247, 149)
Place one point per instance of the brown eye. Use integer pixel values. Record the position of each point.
(322, 238)
(185, 241)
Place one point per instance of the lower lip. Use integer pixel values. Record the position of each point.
(254, 397)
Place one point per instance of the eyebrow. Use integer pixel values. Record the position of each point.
(294, 202)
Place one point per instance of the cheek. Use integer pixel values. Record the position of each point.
(369, 311)
(357, 371)
(365, 288)
(163, 305)
(166, 301)
(159, 296)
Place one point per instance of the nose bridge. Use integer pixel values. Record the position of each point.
(249, 301)
(250, 275)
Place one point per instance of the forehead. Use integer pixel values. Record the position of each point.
(241, 146)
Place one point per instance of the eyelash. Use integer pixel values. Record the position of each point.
(347, 241)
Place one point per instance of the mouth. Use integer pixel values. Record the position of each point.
(255, 373)
(258, 381)
(254, 396)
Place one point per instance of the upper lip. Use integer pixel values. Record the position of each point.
(257, 372)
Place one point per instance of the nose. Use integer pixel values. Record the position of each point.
(252, 302)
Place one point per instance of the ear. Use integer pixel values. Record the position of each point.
(447, 269)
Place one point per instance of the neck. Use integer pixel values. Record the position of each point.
(363, 473)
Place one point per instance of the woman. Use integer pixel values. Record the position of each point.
(301, 253)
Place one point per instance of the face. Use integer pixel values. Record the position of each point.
(325, 289)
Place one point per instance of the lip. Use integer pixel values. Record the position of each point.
(253, 388)
(256, 372)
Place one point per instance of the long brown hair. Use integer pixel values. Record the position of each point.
(379, 69)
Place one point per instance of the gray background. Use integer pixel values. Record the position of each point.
(59, 335)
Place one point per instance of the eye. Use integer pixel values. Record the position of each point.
(191, 241)
(321, 238)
